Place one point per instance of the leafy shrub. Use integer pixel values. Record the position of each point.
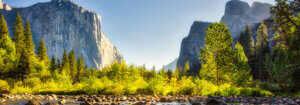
(4, 87)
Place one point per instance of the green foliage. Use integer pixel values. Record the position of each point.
(262, 49)
(287, 27)
(65, 64)
(18, 32)
(29, 45)
(246, 40)
(241, 74)
(42, 51)
(187, 68)
(80, 68)
(73, 65)
(7, 50)
(217, 55)
(4, 87)
(280, 68)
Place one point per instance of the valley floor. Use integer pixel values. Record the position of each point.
(9, 99)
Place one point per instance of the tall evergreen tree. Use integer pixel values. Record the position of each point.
(7, 50)
(53, 63)
(262, 49)
(65, 63)
(217, 55)
(18, 32)
(241, 74)
(80, 68)
(247, 42)
(42, 51)
(58, 65)
(29, 45)
(72, 59)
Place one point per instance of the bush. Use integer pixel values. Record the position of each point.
(254, 92)
(4, 87)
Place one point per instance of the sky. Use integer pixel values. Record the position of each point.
(149, 31)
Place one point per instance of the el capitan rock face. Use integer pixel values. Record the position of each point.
(237, 15)
(66, 25)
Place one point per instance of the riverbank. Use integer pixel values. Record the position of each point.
(138, 99)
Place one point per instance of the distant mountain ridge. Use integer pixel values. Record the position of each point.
(65, 25)
(172, 65)
(237, 14)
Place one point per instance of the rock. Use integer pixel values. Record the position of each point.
(213, 102)
(64, 25)
(190, 46)
(97, 99)
(82, 99)
(139, 103)
(51, 103)
(164, 99)
(123, 98)
(61, 102)
(238, 14)
(33, 102)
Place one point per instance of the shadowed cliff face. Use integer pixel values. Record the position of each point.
(65, 25)
(237, 15)
(190, 46)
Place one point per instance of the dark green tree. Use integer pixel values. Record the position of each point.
(65, 63)
(18, 32)
(72, 60)
(7, 50)
(217, 56)
(262, 50)
(247, 42)
(42, 51)
(29, 45)
(241, 74)
(287, 26)
(80, 68)
(53, 63)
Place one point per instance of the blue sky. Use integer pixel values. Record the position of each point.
(149, 31)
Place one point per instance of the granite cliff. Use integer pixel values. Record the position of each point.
(65, 25)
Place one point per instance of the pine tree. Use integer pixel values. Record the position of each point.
(58, 65)
(246, 40)
(80, 68)
(241, 73)
(29, 45)
(53, 63)
(262, 49)
(7, 50)
(186, 68)
(18, 32)
(65, 63)
(72, 59)
(217, 55)
(42, 51)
